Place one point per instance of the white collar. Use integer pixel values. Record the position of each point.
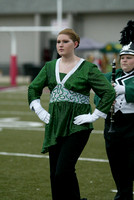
(127, 73)
(68, 74)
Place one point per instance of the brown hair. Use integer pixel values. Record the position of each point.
(72, 34)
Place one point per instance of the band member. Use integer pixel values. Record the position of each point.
(69, 118)
(120, 140)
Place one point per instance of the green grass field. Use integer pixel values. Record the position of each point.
(26, 177)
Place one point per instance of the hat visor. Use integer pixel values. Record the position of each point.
(127, 52)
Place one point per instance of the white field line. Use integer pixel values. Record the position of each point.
(97, 131)
(116, 191)
(46, 156)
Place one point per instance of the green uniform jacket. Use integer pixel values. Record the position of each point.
(62, 114)
(128, 83)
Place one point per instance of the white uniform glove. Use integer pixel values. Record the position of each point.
(119, 89)
(41, 112)
(86, 118)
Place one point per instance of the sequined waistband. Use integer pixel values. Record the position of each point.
(61, 94)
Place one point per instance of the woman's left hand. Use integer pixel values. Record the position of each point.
(86, 118)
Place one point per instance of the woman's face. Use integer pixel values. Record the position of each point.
(127, 63)
(65, 45)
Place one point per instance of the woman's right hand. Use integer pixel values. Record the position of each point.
(43, 115)
(41, 112)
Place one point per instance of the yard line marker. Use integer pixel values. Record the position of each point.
(46, 156)
(13, 89)
(16, 113)
(13, 103)
(42, 129)
(15, 123)
(23, 155)
(98, 131)
(93, 159)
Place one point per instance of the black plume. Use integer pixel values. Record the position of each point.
(127, 34)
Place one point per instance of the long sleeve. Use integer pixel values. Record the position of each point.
(37, 85)
(103, 89)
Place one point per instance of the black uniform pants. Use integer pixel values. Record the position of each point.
(63, 157)
(120, 152)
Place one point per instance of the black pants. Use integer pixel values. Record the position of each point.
(63, 157)
(120, 151)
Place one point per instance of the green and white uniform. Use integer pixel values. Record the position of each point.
(69, 97)
(120, 143)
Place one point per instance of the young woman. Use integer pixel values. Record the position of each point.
(69, 118)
